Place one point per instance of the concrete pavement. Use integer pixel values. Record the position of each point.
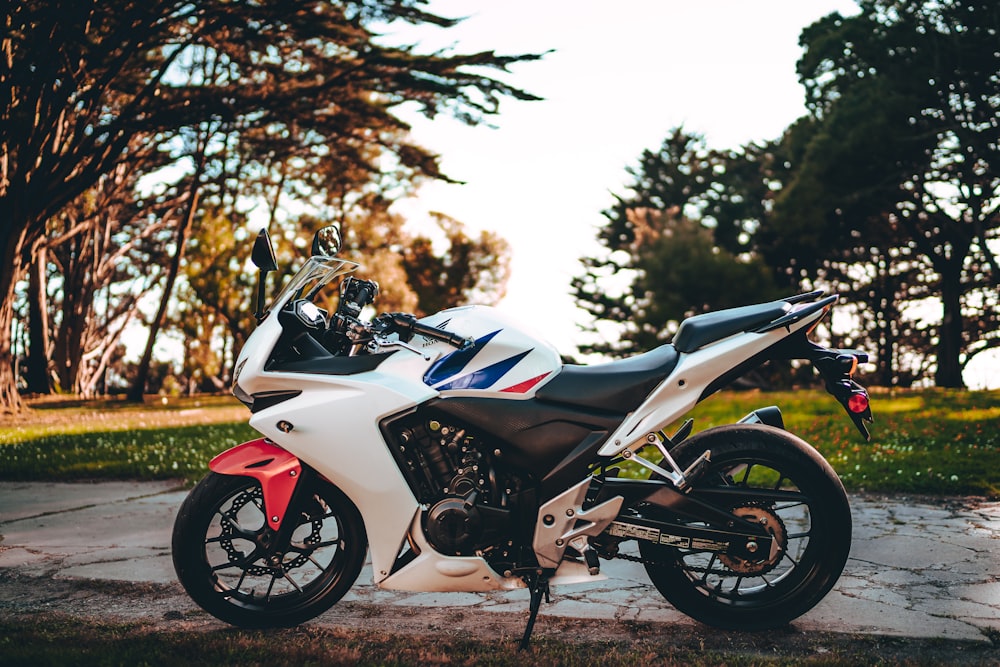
(925, 568)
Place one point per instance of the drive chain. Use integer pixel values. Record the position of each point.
(686, 568)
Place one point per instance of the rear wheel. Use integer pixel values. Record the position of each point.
(810, 521)
(220, 544)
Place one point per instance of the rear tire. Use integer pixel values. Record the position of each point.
(218, 550)
(815, 532)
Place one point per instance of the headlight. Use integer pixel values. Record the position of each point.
(241, 395)
(310, 315)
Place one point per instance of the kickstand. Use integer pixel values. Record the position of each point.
(538, 586)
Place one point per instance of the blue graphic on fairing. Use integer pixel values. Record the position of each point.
(451, 365)
(485, 377)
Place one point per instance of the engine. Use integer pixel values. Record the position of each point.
(470, 498)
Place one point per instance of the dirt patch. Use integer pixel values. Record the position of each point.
(166, 608)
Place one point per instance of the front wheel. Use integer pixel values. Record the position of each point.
(778, 481)
(222, 558)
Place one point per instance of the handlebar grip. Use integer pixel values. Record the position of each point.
(452, 339)
(367, 291)
(409, 324)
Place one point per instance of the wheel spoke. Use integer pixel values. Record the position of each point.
(270, 587)
(234, 524)
(290, 580)
(239, 584)
(230, 520)
(704, 579)
(243, 562)
(780, 508)
(227, 565)
(328, 543)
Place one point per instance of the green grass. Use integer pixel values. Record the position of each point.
(932, 441)
(151, 453)
(111, 440)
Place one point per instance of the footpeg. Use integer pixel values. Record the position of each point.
(582, 545)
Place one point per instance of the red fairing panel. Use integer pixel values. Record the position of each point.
(277, 471)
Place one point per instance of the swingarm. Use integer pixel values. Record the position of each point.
(659, 513)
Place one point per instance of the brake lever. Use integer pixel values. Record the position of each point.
(381, 343)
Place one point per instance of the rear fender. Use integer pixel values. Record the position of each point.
(277, 470)
(771, 415)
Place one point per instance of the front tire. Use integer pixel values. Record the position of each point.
(812, 524)
(219, 541)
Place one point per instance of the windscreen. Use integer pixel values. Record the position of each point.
(314, 274)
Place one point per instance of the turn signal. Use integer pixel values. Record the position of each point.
(857, 403)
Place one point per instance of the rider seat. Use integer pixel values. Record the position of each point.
(701, 330)
(618, 387)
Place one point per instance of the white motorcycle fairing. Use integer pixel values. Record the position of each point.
(332, 423)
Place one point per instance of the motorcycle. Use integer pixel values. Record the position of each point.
(462, 453)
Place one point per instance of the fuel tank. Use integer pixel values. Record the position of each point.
(508, 360)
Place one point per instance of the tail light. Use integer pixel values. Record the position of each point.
(857, 403)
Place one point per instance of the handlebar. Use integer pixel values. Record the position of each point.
(355, 294)
(408, 326)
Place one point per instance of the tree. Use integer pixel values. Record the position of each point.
(184, 221)
(217, 288)
(466, 270)
(95, 265)
(905, 97)
(679, 244)
(83, 78)
(816, 235)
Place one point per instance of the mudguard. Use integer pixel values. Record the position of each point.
(277, 470)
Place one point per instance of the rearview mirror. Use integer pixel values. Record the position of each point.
(263, 258)
(263, 253)
(327, 241)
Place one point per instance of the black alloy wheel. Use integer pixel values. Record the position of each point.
(221, 542)
(807, 515)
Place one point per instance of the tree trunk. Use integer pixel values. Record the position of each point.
(37, 374)
(949, 368)
(77, 309)
(138, 389)
(11, 248)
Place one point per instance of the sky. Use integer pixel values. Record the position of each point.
(619, 77)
